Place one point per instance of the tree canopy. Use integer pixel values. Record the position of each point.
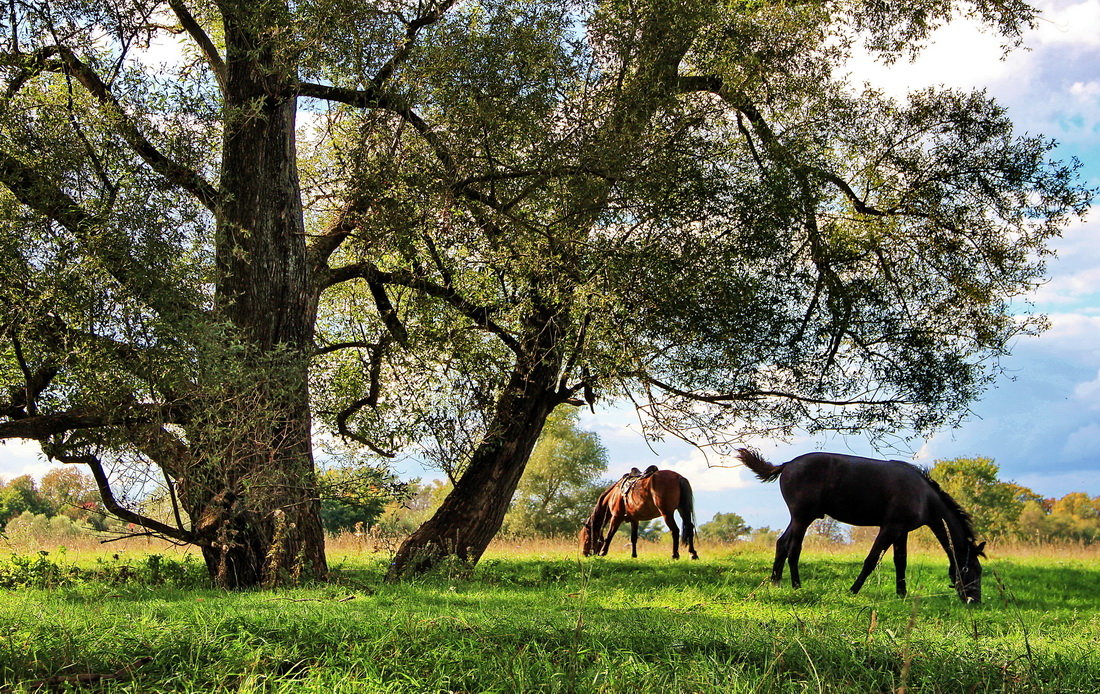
(424, 225)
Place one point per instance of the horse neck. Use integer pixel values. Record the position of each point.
(958, 534)
(600, 514)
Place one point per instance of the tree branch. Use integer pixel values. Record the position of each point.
(411, 30)
(41, 427)
(107, 495)
(759, 394)
(195, 30)
(374, 97)
(68, 63)
(34, 190)
(480, 315)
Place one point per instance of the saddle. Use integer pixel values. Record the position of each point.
(627, 481)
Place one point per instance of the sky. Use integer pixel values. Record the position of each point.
(1041, 422)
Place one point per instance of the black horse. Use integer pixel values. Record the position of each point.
(896, 496)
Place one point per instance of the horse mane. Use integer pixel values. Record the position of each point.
(598, 517)
(953, 506)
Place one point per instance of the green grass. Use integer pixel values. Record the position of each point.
(553, 623)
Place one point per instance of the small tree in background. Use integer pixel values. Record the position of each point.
(829, 530)
(562, 481)
(69, 492)
(993, 505)
(401, 516)
(351, 496)
(21, 495)
(725, 527)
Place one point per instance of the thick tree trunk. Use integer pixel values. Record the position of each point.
(473, 512)
(254, 499)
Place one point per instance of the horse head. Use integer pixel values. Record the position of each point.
(590, 541)
(968, 581)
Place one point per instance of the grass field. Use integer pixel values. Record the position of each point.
(535, 618)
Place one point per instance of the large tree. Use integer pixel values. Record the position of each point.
(682, 204)
(160, 290)
(448, 219)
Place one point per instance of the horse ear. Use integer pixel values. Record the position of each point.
(980, 550)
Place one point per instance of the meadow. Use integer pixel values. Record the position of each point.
(535, 617)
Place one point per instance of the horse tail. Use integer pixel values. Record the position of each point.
(765, 471)
(687, 510)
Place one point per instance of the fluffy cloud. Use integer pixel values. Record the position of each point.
(708, 473)
(19, 457)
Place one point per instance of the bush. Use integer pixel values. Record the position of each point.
(28, 527)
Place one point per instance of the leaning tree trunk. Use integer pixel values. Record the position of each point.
(253, 499)
(473, 512)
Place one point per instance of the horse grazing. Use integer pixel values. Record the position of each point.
(661, 493)
(896, 496)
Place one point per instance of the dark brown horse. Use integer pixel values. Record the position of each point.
(661, 493)
(896, 496)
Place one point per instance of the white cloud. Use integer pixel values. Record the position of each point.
(962, 54)
(20, 457)
(1076, 24)
(1085, 91)
(1089, 393)
(1082, 443)
(708, 472)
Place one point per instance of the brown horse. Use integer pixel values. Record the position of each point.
(661, 493)
(896, 496)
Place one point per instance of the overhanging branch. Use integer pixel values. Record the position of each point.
(196, 32)
(66, 62)
(749, 395)
(41, 427)
(480, 315)
(111, 504)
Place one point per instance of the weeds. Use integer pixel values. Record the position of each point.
(44, 571)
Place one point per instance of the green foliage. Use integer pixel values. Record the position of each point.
(562, 480)
(52, 570)
(1008, 510)
(21, 495)
(994, 506)
(353, 498)
(725, 527)
(30, 528)
(402, 516)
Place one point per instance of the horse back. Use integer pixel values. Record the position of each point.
(857, 491)
(650, 497)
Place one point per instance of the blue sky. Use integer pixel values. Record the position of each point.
(1042, 425)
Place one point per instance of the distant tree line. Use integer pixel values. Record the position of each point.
(1006, 510)
(566, 474)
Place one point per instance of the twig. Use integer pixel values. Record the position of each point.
(87, 678)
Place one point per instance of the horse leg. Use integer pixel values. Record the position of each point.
(781, 555)
(634, 539)
(783, 546)
(900, 555)
(670, 521)
(884, 539)
(616, 521)
(794, 550)
(688, 535)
